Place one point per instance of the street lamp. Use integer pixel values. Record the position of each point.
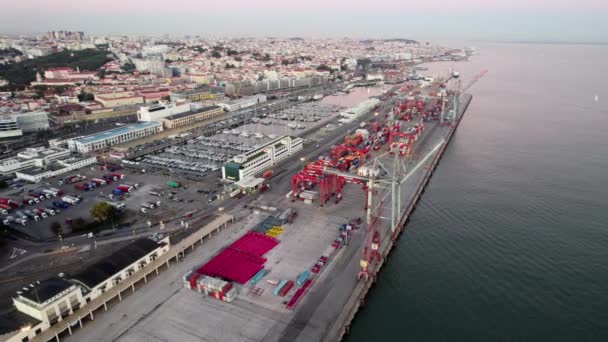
(302, 160)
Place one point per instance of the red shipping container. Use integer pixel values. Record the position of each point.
(286, 288)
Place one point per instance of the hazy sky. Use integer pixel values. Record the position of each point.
(566, 20)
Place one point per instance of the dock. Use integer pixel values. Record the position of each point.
(162, 309)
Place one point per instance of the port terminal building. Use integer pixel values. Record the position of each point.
(114, 136)
(43, 304)
(262, 158)
(175, 114)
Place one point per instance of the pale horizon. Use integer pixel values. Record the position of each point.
(516, 20)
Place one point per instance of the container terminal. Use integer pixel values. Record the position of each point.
(293, 257)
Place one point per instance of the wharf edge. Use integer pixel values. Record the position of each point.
(357, 298)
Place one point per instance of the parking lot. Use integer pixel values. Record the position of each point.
(175, 203)
(200, 156)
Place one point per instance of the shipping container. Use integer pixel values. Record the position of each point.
(174, 184)
(302, 277)
(285, 289)
(278, 288)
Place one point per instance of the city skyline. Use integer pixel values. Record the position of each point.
(470, 19)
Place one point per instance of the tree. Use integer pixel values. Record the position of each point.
(78, 224)
(229, 66)
(102, 211)
(216, 54)
(238, 59)
(128, 67)
(168, 61)
(285, 62)
(84, 96)
(266, 58)
(324, 67)
(56, 228)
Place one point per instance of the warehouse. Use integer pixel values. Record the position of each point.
(244, 102)
(109, 272)
(189, 117)
(43, 304)
(261, 158)
(32, 157)
(114, 136)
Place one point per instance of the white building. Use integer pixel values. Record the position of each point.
(352, 113)
(9, 128)
(114, 136)
(243, 102)
(32, 157)
(37, 174)
(157, 112)
(41, 304)
(261, 158)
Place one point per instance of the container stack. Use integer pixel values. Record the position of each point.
(264, 226)
(217, 288)
(274, 231)
(283, 288)
(240, 261)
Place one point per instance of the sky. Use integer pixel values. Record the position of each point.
(512, 20)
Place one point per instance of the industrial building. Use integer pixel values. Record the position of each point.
(116, 99)
(243, 102)
(9, 128)
(198, 94)
(32, 157)
(157, 112)
(194, 115)
(352, 113)
(114, 136)
(43, 304)
(37, 174)
(261, 158)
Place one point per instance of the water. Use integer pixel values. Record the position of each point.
(510, 240)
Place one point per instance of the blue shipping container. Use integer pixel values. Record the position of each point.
(258, 276)
(279, 287)
(302, 277)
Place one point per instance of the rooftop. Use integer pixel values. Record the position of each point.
(191, 112)
(106, 268)
(116, 131)
(46, 289)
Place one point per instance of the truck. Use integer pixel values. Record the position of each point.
(5, 207)
(40, 213)
(30, 200)
(21, 221)
(117, 176)
(49, 193)
(148, 205)
(135, 186)
(82, 186)
(267, 174)
(57, 192)
(74, 179)
(61, 204)
(263, 187)
(124, 188)
(156, 193)
(8, 220)
(10, 202)
(3, 211)
(117, 192)
(49, 211)
(117, 206)
(31, 215)
(20, 214)
(70, 199)
(174, 184)
(99, 182)
(37, 194)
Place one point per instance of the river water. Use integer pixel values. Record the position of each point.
(510, 240)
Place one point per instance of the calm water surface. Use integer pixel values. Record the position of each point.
(510, 240)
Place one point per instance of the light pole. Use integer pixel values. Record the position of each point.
(302, 160)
